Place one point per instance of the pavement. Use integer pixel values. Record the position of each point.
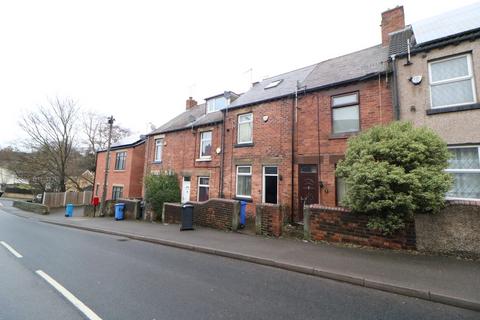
(439, 279)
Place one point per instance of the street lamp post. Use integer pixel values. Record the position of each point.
(107, 166)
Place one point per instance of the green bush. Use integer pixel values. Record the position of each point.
(393, 172)
(160, 189)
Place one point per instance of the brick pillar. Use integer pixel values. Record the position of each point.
(306, 223)
(258, 219)
(236, 216)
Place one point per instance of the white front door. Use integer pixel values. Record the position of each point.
(186, 189)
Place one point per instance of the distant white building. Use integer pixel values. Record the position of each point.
(9, 177)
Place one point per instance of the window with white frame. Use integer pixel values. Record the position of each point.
(464, 165)
(341, 190)
(203, 188)
(245, 128)
(451, 81)
(120, 160)
(206, 145)
(216, 104)
(244, 181)
(117, 192)
(345, 113)
(158, 149)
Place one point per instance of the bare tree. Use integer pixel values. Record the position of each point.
(51, 132)
(95, 128)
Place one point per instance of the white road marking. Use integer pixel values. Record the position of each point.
(13, 251)
(70, 297)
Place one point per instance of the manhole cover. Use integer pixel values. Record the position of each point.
(122, 239)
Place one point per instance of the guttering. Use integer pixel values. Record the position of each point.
(396, 105)
(185, 128)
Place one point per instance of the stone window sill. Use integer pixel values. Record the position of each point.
(472, 106)
(203, 159)
(243, 145)
(346, 135)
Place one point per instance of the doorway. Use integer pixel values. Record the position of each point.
(307, 186)
(186, 189)
(270, 184)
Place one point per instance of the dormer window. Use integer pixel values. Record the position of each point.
(215, 104)
(273, 84)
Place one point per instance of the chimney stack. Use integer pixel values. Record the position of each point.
(392, 20)
(191, 103)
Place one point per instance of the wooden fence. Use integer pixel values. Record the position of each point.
(61, 199)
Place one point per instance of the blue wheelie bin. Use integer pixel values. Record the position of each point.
(119, 211)
(69, 210)
(243, 213)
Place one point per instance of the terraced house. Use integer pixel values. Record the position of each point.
(437, 71)
(279, 142)
(190, 146)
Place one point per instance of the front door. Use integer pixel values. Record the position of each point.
(307, 186)
(186, 189)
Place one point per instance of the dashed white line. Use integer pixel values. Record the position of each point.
(69, 296)
(13, 251)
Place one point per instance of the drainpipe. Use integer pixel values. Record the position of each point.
(396, 105)
(222, 146)
(294, 120)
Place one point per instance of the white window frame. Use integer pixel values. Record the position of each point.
(124, 162)
(204, 140)
(468, 77)
(346, 105)
(158, 143)
(263, 182)
(202, 185)
(243, 122)
(214, 100)
(243, 174)
(464, 170)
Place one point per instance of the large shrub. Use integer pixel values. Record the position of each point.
(394, 171)
(160, 189)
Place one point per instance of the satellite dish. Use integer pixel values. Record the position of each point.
(218, 150)
(265, 118)
(416, 79)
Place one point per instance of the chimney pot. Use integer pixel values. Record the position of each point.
(392, 20)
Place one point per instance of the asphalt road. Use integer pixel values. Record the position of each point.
(126, 279)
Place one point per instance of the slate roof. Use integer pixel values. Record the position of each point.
(193, 117)
(127, 142)
(353, 66)
(258, 93)
(398, 41)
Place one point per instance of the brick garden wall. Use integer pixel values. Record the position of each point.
(340, 225)
(172, 213)
(269, 219)
(219, 214)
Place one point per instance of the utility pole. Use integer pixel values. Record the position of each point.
(107, 167)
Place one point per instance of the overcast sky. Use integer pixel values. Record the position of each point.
(140, 60)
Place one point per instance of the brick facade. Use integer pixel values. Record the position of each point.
(269, 219)
(340, 225)
(314, 141)
(131, 178)
(181, 153)
(272, 146)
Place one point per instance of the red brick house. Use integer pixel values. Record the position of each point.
(125, 178)
(190, 146)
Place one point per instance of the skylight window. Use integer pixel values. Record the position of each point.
(273, 84)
